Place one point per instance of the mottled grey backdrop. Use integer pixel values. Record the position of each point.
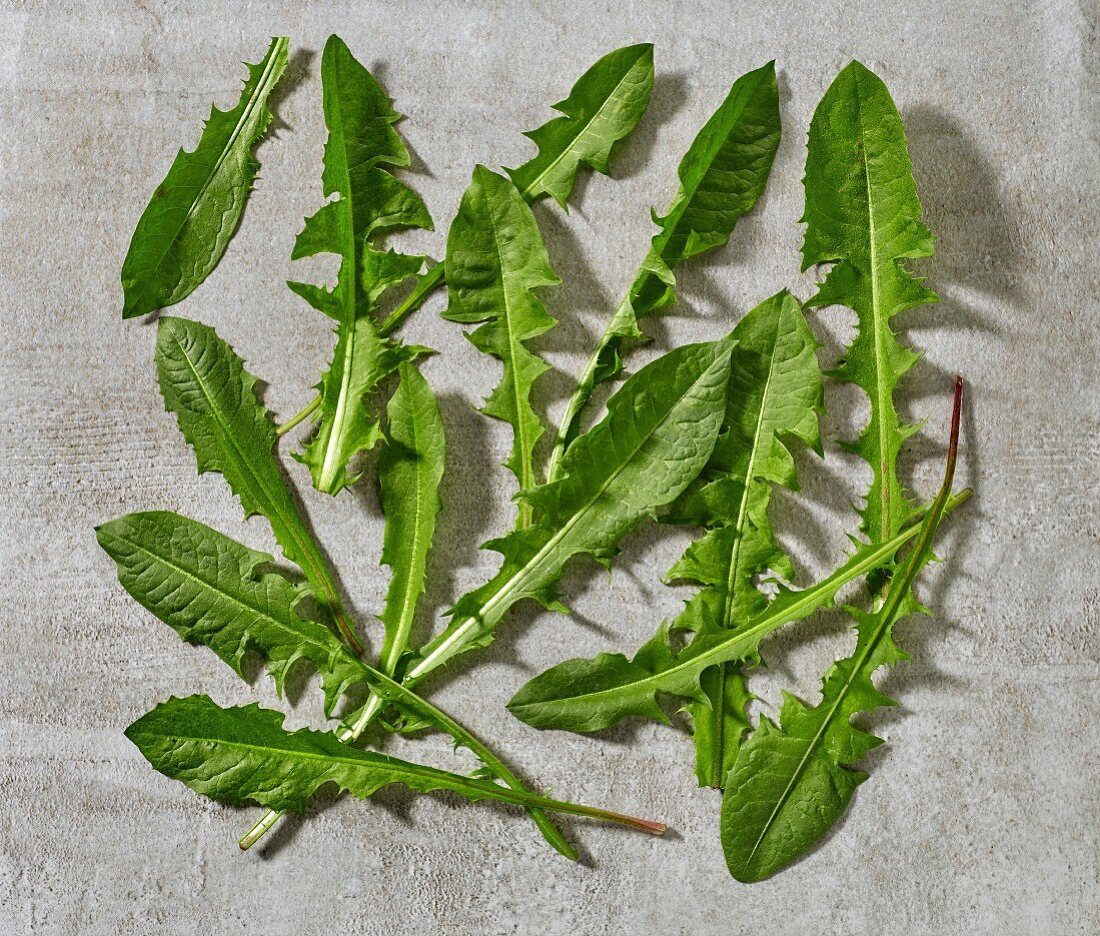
(983, 809)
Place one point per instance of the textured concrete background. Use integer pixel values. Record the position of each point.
(983, 809)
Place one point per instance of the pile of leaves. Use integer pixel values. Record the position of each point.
(700, 436)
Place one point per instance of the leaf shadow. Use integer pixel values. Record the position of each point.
(417, 167)
(297, 71)
(398, 802)
(467, 507)
(977, 229)
(670, 94)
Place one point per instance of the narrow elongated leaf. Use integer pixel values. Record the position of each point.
(721, 176)
(495, 261)
(863, 216)
(184, 231)
(214, 398)
(410, 468)
(590, 695)
(790, 783)
(775, 396)
(603, 107)
(659, 431)
(211, 591)
(244, 755)
(361, 144)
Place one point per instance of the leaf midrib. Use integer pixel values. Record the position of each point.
(368, 760)
(717, 709)
(881, 403)
(349, 267)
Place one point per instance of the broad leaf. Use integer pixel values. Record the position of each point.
(790, 783)
(775, 396)
(590, 695)
(863, 216)
(244, 755)
(410, 468)
(361, 144)
(495, 261)
(722, 175)
(184, 231)
(212, 591)
(603, 107)
(659, 431)
(214, 398)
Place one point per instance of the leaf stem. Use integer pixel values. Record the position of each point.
(520, 798)
(304, 413)
(582, 392)
(515, 792)
(425, 285)
(577, 401)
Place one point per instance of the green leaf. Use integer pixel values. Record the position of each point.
(361, 143)
(721, 176)
(775, 396)
(214, 398)
(590, 695)
(211, 591)
(184, 231)
(244, 755)
(789, 784)
(603, 107)
(410, 468)
(495, 261)
(659, 431)
(863, 216)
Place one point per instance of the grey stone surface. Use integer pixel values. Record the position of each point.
(983, 809)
